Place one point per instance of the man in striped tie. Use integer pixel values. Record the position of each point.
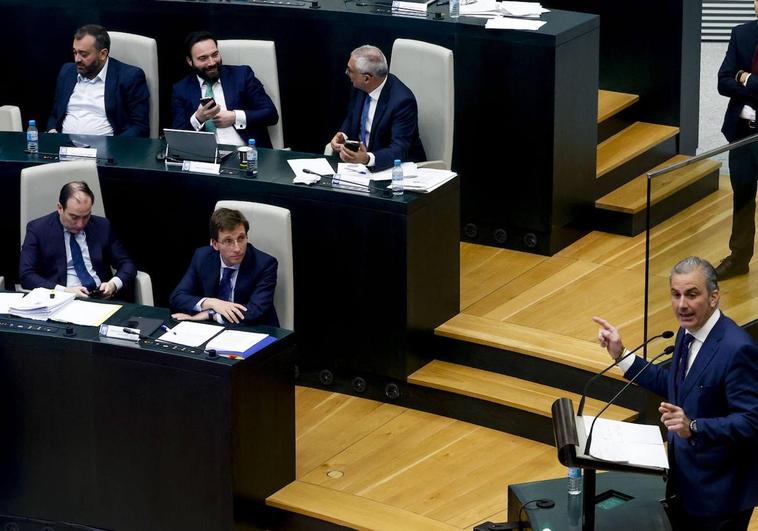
(710, 406)
(73, 250)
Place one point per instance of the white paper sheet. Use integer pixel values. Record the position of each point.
(190, 334)
(624, 442)
(409, 170)
(514, 23)
(320, 166)
(234, 341)
(85, 313)
(6, 299)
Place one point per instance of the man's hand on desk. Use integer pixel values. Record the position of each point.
(231, 311)
(199, 316)
(225, 119)
(355, 157)
(108, 289)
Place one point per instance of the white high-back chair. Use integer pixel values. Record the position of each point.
(427, 69)
(140, 51)
(261, 57)
(40, 187)
(271, 232)
(10, 119)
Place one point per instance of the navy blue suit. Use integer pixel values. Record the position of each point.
(43, 255)
(715, 471)
(242, 92)
(394, 129)
(254, 288)
(127, 100)
(743, 162)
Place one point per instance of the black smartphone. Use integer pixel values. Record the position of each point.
(352, 145)
(206, 101)
(96, 294)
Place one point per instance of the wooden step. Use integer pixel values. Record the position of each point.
(349, 510)
(632, 142)
(610, 103)
(581, 354)
(631, 198)
(505, 390)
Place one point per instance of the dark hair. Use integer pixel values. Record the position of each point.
(102, 39)
(70, 189)
(195, 37)
(689, 264)
(226, 219)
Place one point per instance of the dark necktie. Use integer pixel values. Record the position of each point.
(225, 288)
(681, 364)
(364, 119)
(81, 270)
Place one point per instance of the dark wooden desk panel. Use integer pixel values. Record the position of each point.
(114, 435)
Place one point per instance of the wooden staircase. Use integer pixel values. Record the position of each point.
(627, 150)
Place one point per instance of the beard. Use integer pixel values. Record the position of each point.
(91, 70)
(208, 76)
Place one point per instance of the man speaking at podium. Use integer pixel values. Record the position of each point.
(711, 407)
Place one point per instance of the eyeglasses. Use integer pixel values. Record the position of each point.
(229, 242)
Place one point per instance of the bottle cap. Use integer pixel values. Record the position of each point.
(33, 122)
(397, 161)
(251, 142)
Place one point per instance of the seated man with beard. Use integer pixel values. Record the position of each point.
(239, 109)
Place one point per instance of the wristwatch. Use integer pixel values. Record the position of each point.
(693, 426)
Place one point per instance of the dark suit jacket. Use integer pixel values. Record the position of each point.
(254, 289)
(718, 467)
(127, 100)
(394, 130)
(43, 255)
(242, 92)
(739, 56)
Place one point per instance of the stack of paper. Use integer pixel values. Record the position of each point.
(316, 168)
(427, 180)
(522, 9)
(409, 170)
(190, 334)
(514, 23)
(234, 342)
(85, 313)
(40, 304)
(6, 299)
(409, 8)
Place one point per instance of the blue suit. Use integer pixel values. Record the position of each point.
(43, 255)
(127, 100)
(254, 288)
(394, 129)
(242, 92)
(716, 469)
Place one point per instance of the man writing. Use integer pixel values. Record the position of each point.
(710, 408)
(234, 103)
(229, 281)
(98, 95)
(382, 115)
(73, 250)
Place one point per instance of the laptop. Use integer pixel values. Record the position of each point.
(193, 145)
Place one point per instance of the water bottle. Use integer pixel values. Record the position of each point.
(574, 481)
(252, 158)
(397, 178)
(455, 8)
(32, 137)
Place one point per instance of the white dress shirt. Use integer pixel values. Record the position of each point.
(374, 95)
(72, 279)
(700, 336)
(224, 135)
(199, 306)
(85, 114)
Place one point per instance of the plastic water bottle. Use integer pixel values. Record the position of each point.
(252, 158)
(397, 178)
(574, 481)
(455, 8)
(32, 137)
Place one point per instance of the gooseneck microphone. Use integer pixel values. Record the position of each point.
(665, 335)
(667, 350)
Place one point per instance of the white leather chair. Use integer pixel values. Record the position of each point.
(10, 119)
(40, 187)
(140, 51)
(261, 57)
(271, 232)
(427, 69)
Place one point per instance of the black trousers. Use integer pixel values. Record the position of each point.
(743, 169)
(684, 521)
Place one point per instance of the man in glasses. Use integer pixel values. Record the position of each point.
(229, 281)
(382, 117)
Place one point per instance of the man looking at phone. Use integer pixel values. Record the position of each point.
(73, 250)
(382, 117)
(225, 99)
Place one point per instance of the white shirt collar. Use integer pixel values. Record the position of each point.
(702, 334)
(374, 94)
(100, 75)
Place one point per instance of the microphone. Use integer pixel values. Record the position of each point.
(667, 350)
(665, 335)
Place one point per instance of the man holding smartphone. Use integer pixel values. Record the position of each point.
(225, 99)
(382, 118)
(72, 250)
